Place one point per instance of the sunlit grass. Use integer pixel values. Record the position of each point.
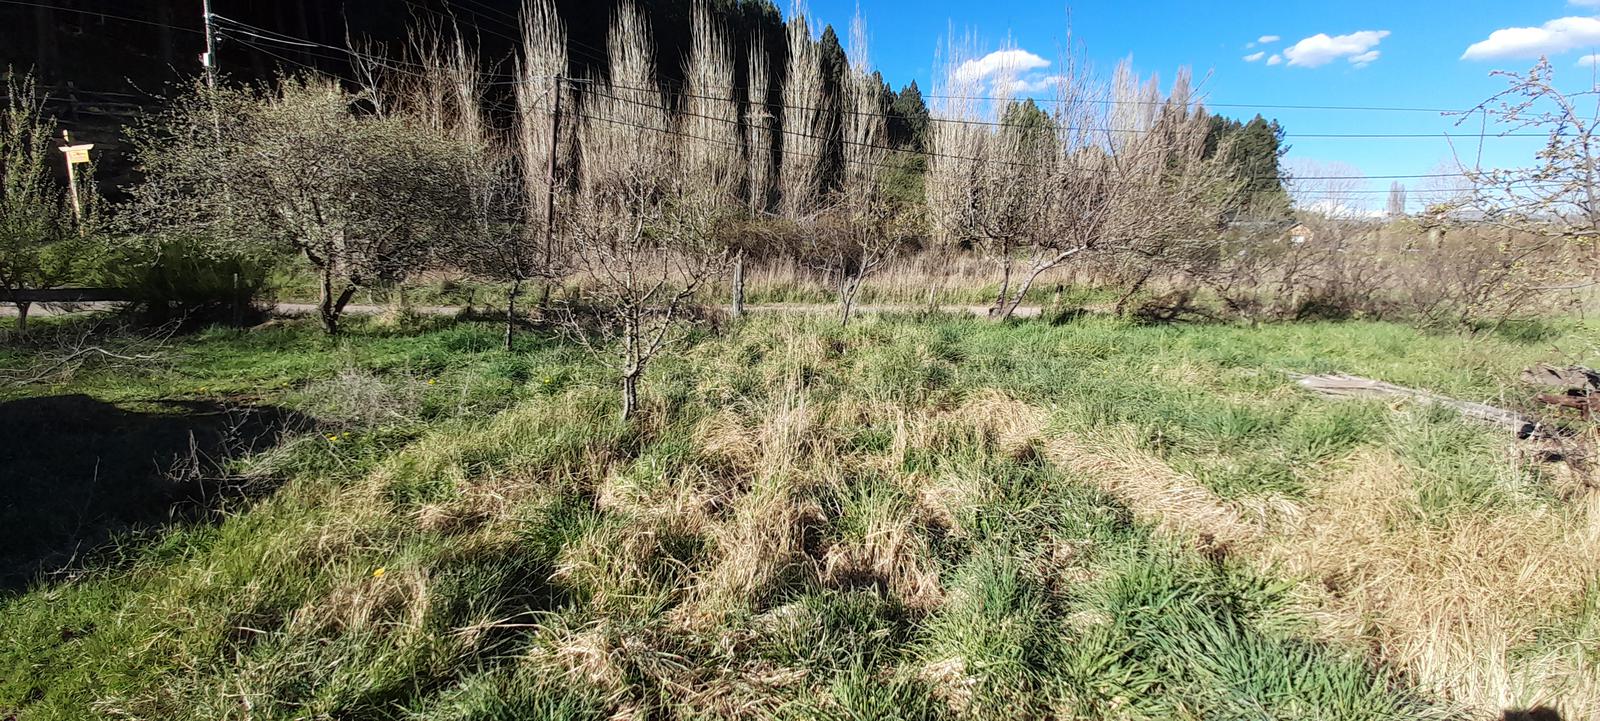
(806, 522)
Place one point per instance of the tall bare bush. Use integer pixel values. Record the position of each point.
(759, 171)
(1124, 173)
(989, 178)
(860, 231)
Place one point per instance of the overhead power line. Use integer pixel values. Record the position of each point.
(256, 38)
(598, 90)
(97, 13)
(281, 37)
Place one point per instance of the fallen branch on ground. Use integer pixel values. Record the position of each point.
(1338, 385)
(71, 354)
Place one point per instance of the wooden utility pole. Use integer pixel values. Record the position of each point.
(209, 58)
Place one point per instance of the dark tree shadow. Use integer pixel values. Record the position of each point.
(76, 472)
(1537, 713)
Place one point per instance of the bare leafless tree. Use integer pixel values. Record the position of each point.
(1118, 169)
(988, 181)
(540, 149)
(1554, 203)
(860, 232)
(440, 84)
(1326, 189)
(758, 120)
(806, 126)
(1397, 200)
(710, 166)
(639, 232)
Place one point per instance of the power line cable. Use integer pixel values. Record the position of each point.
(930, 154)
(266, 35)
(886, 149)
(96, 13)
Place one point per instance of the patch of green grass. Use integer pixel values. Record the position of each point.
(469, 533)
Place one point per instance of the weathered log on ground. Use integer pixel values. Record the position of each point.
(1587, 406)
(1571, 379)
(1343, 386)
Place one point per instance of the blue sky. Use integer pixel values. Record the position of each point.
(1394, 53)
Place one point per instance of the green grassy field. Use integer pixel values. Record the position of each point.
(912, 517)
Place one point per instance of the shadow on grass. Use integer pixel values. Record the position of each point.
(76, 472)
(1538, 713)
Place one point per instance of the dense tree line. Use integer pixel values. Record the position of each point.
(641, 159)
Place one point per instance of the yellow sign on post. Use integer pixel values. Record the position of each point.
(76, 155)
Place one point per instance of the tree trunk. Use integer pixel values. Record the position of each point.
(511, 311)
(22, 318)
(330, 308)
(1000, 295)
(737, 308)
(848, 286)
(630, 393)
(1138, 285)
(1022, 294)
(1033, 274)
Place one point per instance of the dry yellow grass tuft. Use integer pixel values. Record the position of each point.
(951, 683)
(763, 540)
(942, 500)
(1173, 501)
(396, 600)
(894, 555)
(1009, 424)
(1451, 601)
(1460, 605)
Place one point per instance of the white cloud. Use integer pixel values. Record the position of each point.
(1364, 59)
(1252, 57)
(1552, 37)
(1321, 49)
(1000, 62)
(1012, 71)
(1276, 59)
(1026, 86)
(1584, 3)
(1589, 61)
(1270, 39)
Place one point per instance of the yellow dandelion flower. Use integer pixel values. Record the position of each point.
(432, 381)
(378, 572)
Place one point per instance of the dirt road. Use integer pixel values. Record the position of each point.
(303, 309)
